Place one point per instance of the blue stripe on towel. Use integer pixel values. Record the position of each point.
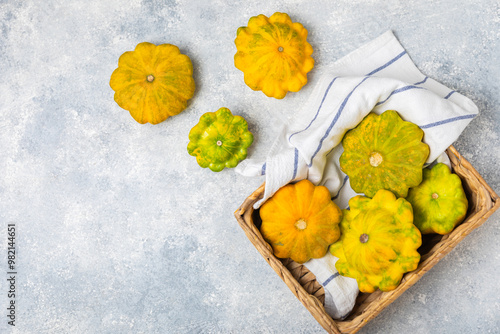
(449, 94)
(387, 64)
(317, 112)
(342, 186)
(331, 278)
(337, 116)
(263, 172)
(399, 90)
(421, 82)
(295, 163)
(449, 120)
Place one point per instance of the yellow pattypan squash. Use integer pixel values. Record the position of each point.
(153, 82)
(300, 221)
(378, 242)
(273, 54)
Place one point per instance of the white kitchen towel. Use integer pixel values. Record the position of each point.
(376, 77)
(340, 291)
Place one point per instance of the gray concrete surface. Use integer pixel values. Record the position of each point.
(120, 231)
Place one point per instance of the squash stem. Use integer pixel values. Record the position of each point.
(301, 224)
(376, 159)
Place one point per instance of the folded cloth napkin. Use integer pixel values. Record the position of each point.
(376, 77)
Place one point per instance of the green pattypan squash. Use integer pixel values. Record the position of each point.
(384, 152)
(439, 202)
(219, 140)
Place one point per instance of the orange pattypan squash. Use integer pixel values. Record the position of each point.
(300, 221)
(378, 242)
(384, 152)
(153, 82)
(273, 54)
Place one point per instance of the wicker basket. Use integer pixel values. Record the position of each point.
(483, 201)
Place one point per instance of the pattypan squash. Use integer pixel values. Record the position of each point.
(219, 140)
(384, 152)
(153, 82)
(273, 54)
(378, 242)
(439, 202)
(300, 221)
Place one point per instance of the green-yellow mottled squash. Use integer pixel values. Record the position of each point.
(378, 242)
(384, 152)
(219, 140)
(153, 82)
(273, 54)
(439, 202)
(300, 221)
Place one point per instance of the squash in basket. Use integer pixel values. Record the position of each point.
(300, 221)
(219, 140)
(439, 202)
(273, 54)
(378, 242)
(384, 152)
(153, 82)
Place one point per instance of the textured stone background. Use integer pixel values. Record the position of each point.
(120, 231)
